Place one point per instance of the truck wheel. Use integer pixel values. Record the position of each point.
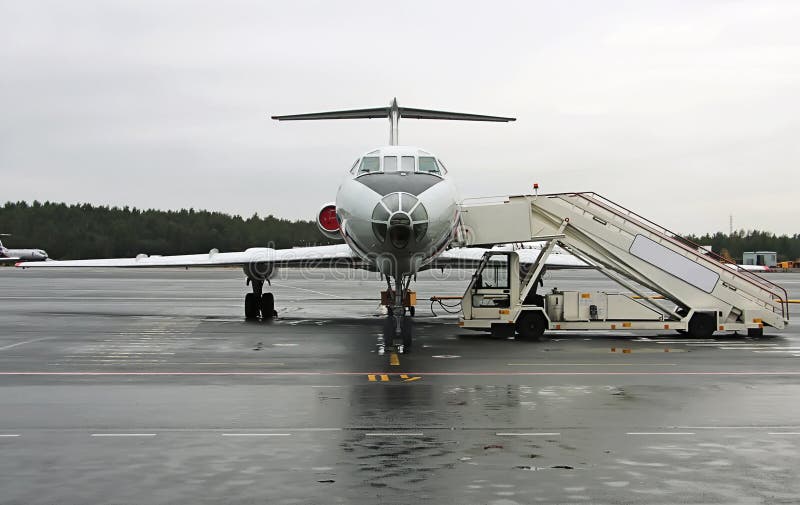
(701, 325)
(531, 326)
(755, 332)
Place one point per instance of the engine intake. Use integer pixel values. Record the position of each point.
(328, 223)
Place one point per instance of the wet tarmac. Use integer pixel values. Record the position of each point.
(139, 387)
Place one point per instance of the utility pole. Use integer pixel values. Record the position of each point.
(730, 225)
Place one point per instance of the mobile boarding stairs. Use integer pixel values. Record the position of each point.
(672, 283)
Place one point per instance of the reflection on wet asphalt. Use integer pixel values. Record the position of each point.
(129, 388)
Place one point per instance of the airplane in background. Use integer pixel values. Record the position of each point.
(397, 211)
(8, 255)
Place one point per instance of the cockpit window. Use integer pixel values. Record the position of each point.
(369, 164)
(353, 168)
(390, 163)
(407, 164)
(427, 164)
(441, 165)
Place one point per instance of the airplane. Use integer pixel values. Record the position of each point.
(7, 255)
(397, 212)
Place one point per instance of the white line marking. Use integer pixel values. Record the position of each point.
(737, 427)
(751, 348)
(592, 364)
(712, 342)
(783, 433)
(256, 434)
(732, 344)
(407, 434)
(123, 434)
(309, 290)
(23, 343)
(659, 433)
(9, 435)
(326, 386)
(514, 434)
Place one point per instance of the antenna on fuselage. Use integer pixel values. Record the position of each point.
(394, 113)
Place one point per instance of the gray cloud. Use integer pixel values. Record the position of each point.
(684, 111)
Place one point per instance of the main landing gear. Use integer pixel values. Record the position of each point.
(257, 303)
(398, 328)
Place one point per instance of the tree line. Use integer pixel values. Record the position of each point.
(734, 245)
(79, 231)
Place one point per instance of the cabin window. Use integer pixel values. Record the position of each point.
(427, 164)
(369, 164)
(390, 163)
(407, 164)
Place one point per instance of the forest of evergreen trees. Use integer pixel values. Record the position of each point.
(86, 231)
(787, 247)
(81, 231)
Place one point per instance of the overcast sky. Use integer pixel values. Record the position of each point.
(686, 112)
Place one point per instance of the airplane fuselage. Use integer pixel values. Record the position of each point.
(24, 254)
(398, 209)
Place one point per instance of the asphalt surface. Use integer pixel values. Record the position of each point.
(139, 387)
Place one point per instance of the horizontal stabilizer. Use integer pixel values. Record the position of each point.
(338, 114)
(379, 112)
(454, 116)
(393, 112)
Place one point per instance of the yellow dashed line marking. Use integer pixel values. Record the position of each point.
(394, 359)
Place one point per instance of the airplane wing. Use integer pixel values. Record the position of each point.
(470, 257)
(309, 257)
(749, 268)
(331, 256)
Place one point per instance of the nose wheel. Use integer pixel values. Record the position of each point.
(398, 334)
(398, 327)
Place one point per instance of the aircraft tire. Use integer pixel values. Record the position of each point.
(407, 332)
(531, 326)
(388, 330)
(251, 306)
(701, 325)
(267, 306)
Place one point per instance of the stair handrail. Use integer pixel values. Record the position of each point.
(685, 244)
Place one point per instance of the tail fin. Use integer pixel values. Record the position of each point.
(393, 112)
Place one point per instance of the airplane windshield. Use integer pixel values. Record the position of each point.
(428, 165)
(408, 164)
(390, 163)
(369, 164)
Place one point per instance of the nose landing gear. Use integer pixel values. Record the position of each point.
(398, 328)
(257, 303)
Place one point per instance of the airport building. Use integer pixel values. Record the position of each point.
(764, 258)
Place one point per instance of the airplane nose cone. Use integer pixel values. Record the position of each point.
(398, 218)
(400, 230)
